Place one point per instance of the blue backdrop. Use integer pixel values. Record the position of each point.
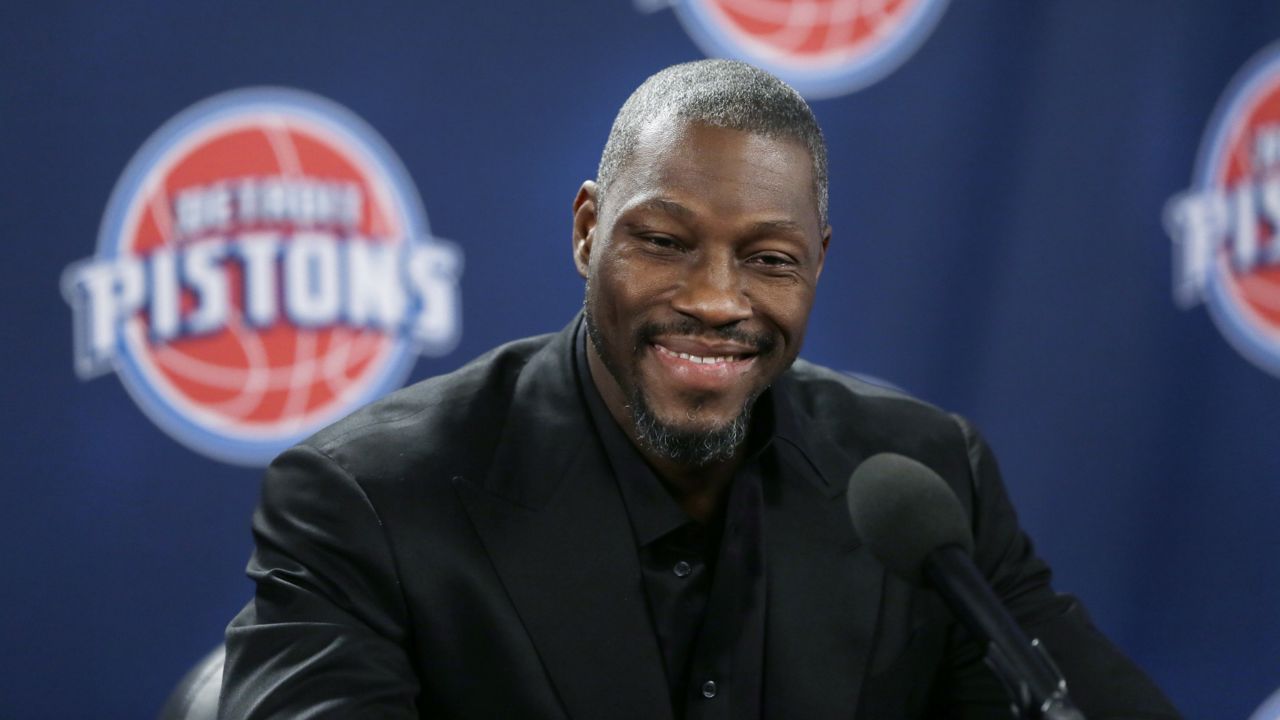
(999, 250)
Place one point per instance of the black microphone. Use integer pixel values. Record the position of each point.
(915, 526)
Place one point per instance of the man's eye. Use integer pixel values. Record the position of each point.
(773, 261)
(662, 241)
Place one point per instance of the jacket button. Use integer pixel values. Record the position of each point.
(682, 569)
(709, 689)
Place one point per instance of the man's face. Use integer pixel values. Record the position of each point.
(701, 271)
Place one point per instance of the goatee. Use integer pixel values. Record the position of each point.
(693, 448)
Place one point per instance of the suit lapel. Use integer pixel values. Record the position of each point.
(824, 586)
(552, 521)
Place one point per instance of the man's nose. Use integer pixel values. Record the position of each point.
(713, 292)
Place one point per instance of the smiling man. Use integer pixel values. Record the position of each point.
(701, 270)
(642, 516)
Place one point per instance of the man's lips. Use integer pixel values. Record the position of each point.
(704, 357)
(701, 366)
(705, 350)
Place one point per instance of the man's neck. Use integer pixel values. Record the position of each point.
(700, 492)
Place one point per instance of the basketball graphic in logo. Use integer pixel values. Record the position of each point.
(1226, 248)
(264, 267)
(1269, 710)
(822, 48)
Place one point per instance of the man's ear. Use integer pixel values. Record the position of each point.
(584, 225)
(822, 251)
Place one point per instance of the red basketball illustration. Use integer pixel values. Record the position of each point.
(821, 47)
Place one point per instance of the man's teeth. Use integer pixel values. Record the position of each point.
(698, 358)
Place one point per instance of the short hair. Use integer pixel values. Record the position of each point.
(722, 93)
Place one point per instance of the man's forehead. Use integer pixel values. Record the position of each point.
(662, 131)
(665, 132)
(671, 143)
(700, 156)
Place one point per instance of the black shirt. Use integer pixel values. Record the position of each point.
(704, 583)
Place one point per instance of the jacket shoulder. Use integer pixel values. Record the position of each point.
(446, 416)
(849, 419)
(837, 403)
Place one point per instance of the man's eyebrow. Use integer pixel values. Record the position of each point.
(670, 207)
(765, 227)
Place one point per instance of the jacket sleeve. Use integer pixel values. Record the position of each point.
(1102, 682)
(323, 636)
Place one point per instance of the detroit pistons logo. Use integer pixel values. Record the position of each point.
(1225, 228)
(263, 268)
(822, 48)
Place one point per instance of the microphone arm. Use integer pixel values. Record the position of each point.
(1035, 685)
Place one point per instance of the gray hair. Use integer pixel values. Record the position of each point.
(722, 93)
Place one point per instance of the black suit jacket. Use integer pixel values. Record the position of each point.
(460, 549)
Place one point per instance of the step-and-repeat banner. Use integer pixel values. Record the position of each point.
(231, 224)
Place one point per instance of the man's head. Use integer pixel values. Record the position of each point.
(701, 241)
(720, 93)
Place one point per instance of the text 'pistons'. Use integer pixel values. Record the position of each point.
(303, 263)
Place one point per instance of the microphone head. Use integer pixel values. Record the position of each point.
(904, 511)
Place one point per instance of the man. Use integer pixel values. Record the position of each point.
(642, 516)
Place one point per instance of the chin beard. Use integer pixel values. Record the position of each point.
(694, 448)
(691, 448)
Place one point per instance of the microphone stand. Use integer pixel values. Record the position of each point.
(1036, 687)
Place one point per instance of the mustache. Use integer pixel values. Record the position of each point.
(761, 342)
